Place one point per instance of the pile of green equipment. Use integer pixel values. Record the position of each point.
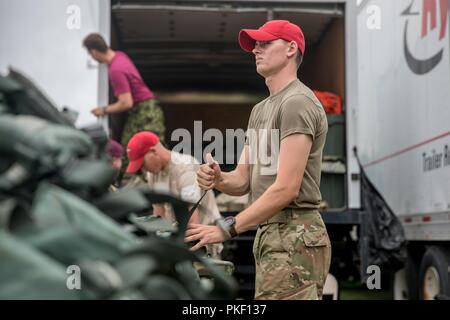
(63, 235)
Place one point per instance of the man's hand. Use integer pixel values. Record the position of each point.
(205, 234)
(124, 103)
(159, 210)
(209, 175)
(98, 112)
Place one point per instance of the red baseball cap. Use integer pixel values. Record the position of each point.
(137, 148)
(272, 30)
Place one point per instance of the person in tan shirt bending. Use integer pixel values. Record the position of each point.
(170, 171)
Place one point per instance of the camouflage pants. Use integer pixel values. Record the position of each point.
(145, 116)
(292, 257)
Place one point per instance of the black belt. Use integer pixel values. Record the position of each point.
(286, 215)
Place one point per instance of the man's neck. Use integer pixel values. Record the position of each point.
(167, 158)
(110, 54)
(279, 81)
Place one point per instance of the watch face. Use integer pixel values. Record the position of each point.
(230, 221)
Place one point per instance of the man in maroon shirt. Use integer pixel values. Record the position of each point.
(136, 108)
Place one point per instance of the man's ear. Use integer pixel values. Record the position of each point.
(293, 48)
(94, 54)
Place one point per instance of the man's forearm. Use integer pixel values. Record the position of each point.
(117, 107)
(233, 183)
(294, 153)
(270, 203)
(195, 217)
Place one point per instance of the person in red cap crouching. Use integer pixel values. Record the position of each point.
(173, 172)
(291, 248)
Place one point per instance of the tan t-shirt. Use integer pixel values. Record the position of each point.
(293, 110)
(180, 178)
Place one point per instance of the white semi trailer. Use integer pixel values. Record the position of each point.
(388, 60)
(402, 133)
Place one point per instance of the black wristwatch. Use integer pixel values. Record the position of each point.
(227, 225)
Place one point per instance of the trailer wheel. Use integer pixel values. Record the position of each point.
(331, 288)
(434, 278)
(400, 285)
(412, 266)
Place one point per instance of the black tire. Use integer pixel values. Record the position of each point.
(438, 258)
(412, 277)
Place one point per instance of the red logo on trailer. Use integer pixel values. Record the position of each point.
(429, 15)
(429, 23)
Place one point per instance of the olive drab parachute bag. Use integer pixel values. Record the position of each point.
(26, 99)
(26, 273)
(70, 229)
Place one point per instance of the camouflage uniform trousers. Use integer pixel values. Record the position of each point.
(145, 116)
(292, 257)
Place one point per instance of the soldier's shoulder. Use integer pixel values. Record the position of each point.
(301, 93)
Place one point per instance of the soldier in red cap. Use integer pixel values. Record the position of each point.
(170, 171)
(292, 250)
